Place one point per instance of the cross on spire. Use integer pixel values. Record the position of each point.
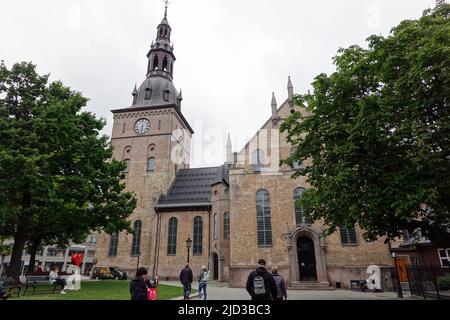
(166, 4)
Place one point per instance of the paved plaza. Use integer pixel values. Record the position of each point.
(220, 291)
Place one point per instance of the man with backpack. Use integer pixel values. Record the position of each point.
(261, 284)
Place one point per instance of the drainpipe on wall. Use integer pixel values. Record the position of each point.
(209, 238)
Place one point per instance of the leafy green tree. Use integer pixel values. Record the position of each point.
(378, 133)
(57, 180)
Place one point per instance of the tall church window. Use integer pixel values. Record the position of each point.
(299, 218)
(172, 237)
(226, 225)
(155, 62)
(136, 245)
(263, 219)
(151, 165)
(215, 226)
(348, 235)
(166, 95)
(114, 241)
(165, 63)
(198, 236)
(258, 160)
(159, 124)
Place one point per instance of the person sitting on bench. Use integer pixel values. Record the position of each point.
(56, 280)
(3, 294)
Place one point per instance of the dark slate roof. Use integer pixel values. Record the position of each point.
(192, 187)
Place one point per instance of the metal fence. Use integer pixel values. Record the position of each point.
(425, 282)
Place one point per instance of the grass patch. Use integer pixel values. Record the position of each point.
(98, 290)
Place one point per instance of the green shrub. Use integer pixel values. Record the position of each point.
(444, 282)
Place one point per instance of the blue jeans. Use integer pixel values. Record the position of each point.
(202, 286)
(186, 291)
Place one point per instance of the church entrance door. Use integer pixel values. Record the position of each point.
(216, 267)
(306, 259)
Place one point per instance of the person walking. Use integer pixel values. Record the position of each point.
(186, 278)
(261, 284)
(202, 282)
(139, 285)
(54, 278)
(281, 285)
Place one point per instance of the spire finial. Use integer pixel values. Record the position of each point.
(166, 4)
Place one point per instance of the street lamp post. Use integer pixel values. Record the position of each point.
(188, 246)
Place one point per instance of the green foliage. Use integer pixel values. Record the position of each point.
(57, 180)
(444, 282)
(379, 133)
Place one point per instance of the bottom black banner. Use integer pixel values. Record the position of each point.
(221, 309)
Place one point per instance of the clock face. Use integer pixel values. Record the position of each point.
(142, 126)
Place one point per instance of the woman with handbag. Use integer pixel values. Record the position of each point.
(140, 285)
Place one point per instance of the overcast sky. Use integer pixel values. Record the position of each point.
(231, 54)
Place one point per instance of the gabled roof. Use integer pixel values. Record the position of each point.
(192, 188)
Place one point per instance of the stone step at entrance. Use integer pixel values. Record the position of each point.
(310, 285)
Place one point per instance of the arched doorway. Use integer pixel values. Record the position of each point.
(306, 259)
(215, 266)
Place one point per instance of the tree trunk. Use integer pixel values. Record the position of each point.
(19, 240)
(16, 255)
(33, 249)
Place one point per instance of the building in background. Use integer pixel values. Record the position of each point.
(53, 255)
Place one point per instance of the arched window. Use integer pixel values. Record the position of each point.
(155, 62)
(215, 226)
(165, 63)
(258, 160)
(113, 244)
(299, 218)
(198, 236)
(151, 165)
(165, 32)
(124, 127)
(263, 219)
(166, 95)
(172, 237)
(348, 235)
(136, 245)
(148, 94)
(297, 164)
(226, 225)
(159, 124)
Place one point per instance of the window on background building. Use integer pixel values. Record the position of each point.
(348, 235)
(226, 225)
(258, 160)
(150, 164)
(299, 218)
(263, 219)
(136, 245)
(198, 236)
(444, 256)
(172, 237)
(215, 226)
(113, 244)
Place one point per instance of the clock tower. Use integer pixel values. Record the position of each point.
(153, 137)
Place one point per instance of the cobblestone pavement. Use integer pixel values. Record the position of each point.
(220, 291)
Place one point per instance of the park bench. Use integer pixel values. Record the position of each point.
(10, 284)
(40, 281)
(358, 284)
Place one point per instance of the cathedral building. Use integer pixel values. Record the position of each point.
(224, 217)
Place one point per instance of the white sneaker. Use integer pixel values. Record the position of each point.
(62, 292)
